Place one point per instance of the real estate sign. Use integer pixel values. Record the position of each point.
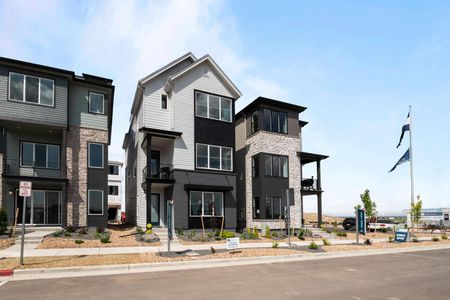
(232, 243)
(361, 215)
(401, 235)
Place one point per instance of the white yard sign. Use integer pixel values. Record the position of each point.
(25, 189)
(232, 243)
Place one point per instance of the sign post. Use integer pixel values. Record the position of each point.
(360, 216)
(169, 223)
(289, 202)
(25, 192)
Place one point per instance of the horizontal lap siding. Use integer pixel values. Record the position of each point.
(25, 112)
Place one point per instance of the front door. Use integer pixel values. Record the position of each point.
(154, 210)
(155, 164)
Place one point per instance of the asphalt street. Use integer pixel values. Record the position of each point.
(414, 275)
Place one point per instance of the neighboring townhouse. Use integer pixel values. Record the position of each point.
(180, 146)
(55, 128)
(269, 160)
(114, 190)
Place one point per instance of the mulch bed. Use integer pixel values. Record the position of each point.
(6, 242)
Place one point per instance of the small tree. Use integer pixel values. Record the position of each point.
(369, 206)
(3, 221)
(416, 212)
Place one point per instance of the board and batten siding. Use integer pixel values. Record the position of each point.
(34, 113)
(202, 78)
(154, 115)
(79, 114)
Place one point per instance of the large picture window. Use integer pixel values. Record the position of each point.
(39, 155)
(96, 103)
(95, 155)
(276, 165)
(213, 107)
(214, 157)
(274, 208)
(31, 89)
(275, 121)
(95, 202)
(207, 204)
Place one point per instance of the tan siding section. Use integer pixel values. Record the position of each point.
(240, 133)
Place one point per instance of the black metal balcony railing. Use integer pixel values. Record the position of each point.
(44, 169)
(164, 172)
(309, 184)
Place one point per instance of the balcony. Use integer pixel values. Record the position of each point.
(162, 173)
(34, 169)
(309, 184)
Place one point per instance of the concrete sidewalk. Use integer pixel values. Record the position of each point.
(15, 251)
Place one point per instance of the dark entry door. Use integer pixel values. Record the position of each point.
(154, 209)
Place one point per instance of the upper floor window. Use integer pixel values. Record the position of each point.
(31, 89)
(213, 107)
(96, 103)
(164, 101)
(113, 190)
(275, 165)
(214, 157)
(39, 155)
(275, 121)
(95, 155)
(255, 125)
(113, 170)
(255, 166)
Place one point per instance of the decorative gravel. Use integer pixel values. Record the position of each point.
(6, 242)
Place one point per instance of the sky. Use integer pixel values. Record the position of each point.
(356, 65)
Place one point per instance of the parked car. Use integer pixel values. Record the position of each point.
(349, 223)
(381, 225)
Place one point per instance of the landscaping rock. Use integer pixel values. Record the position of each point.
(149, 238)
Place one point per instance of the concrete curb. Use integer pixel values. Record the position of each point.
(6, 272)
(31, 274)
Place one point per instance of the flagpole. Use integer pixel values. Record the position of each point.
(411, 156)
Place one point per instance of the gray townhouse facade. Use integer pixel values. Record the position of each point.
(269, 160)
(55, 128)
(180, 146)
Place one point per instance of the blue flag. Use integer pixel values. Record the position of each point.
(404, 129)
(403, 159)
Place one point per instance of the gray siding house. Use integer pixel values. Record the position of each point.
(55, 128)
(180, 146)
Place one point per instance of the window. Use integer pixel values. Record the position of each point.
(95, 202)
(275, 121)
(213, 107)
(256, 208)
(274, 208)
(95, 155)
(206, 204)
(31, 89)
(113, 170)
(39, 155)
(164, 101)
(113, 190)
(255, 126)
(276, 166)
(446, 217)
(96, 103)
(255, 166)
(214, 157)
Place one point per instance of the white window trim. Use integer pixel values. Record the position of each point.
(89, 202)
(209, 168)
(203, 203)
(24, 90)
(220, 107)
(34, 156)
(89, 156)
(103, 103)
(167, 102)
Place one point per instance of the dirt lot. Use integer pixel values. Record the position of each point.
(120, 237)
(6, 242)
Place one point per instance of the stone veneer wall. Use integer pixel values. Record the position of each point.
(281, 145)
(77, 169)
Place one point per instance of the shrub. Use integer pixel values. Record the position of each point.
(209, 235)
(192, 234)
(367, 242)
(180, 231)
(390, 239)
(444, 236)
(100, 229)
(82, 230)
(78, 242)
(415, 240)
(228, 234)
(138, 230)
(67, 234)
(255, 233)
(57, 233)
(70, 228)
(105, 239)
(302, 232)
(267, 232)
(275, 244)
(3, 221)
(326, 242)
(341, 234)
(313, 246)
(383, 230)
(275, 234)
(435, 239)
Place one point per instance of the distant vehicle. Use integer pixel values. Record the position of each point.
(349, 223)
(381, 224)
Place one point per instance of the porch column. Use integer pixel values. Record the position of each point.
(148, 182)
(302, 220)
(319, 195)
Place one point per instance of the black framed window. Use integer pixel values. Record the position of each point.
(213, 107)
(113, 170)
(31, 89)
(214, 157)
(37, 155)
(96, 156)
(95, 202)
(275, 121)
(274, 207)
(255, 123)
(164, 101)
(255, 166)
(96, 103)
(256, 208)
(206, 204)
(276, 165)
(113, 190)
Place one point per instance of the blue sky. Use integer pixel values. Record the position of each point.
(356, 65)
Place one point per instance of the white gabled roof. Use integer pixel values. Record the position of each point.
(215, 66)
